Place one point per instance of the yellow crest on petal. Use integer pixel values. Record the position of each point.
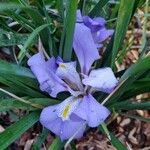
(62, 66)
(65, 113)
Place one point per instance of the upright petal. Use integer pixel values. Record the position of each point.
(101, 79)
(79, 16)
(67, 72)
(94, 24)
(102, 35)
(84, 47)
(91, 111)
(49, 82)
(51, 64)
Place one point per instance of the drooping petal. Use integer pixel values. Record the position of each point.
(70, 128)
(91, 111)
(50, 120)
(102, 35)
(94, 24)
(49, 82)
(67, 72)
(101, 79)
(64, 128)
(84, 47)
(67, 107)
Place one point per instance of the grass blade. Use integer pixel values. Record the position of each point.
(141, 65)
(13, 69)
(96, 11)
(30, 40)
(40, 140)
(114, 141)
(14, 131)
(124, 16)
(56, 145)
(127, 105)
(69, 29)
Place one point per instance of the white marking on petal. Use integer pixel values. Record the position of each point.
(68, 106)
(67, 72)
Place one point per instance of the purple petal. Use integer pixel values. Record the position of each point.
(102, 35)
(64, 129)
(38, 67)
(50, 120)
(84, 47)
(79, 16)
(91, 111)
(94, 24)
(51, 64)
(101, 79)
(49, 82)
(67, 107)
(70, 128)
(67, 72)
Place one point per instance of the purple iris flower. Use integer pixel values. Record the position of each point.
(70, 117)
(97, 26)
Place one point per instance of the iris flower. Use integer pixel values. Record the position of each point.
(70, 117)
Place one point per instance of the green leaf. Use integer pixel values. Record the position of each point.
(24, 22)
(137, 117)
(40, 140)
(128, 105)
(38, 20)
(17, 129)
(114, 141)
(131, 74)
(138, 87)
(30, 40)
(11, 39)
(124, 16)
(11, 103)
(12, 82)
(140, 66)
(96, 11)
(13, 69)
(56, 145)
(60, 7)
(11, 6)
(69, 29)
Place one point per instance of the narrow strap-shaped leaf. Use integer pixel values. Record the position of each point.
(41, 138)
(137, 117)
(14, 131)
(11, 103)
(20, 87)
(9, 68)
(131, 74)
(114, 141)
(69, 29)
(127, 105)
(56, 145)
(141, 65)
(11, 6)
(124, 16)
(96, 11)
(30, 40)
